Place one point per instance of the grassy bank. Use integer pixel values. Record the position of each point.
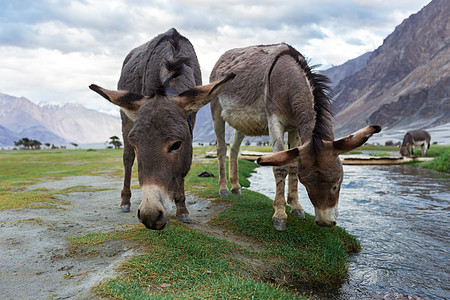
(183, 263)
(21, 169)
(441, 160)
(180, 262)
(307, 252)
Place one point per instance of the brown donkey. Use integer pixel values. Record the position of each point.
(414, 138)
(158, 126)
(162, 138)
(275, 92)
(167, 57)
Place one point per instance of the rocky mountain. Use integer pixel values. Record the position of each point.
(337, 73)
(402, 85)
(71, 123)
(405, 83)
(203, 129)
(6, 136)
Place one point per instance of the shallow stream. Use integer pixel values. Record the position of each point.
(401, 215)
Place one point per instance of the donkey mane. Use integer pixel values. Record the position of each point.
(173, 66)
(322, 94)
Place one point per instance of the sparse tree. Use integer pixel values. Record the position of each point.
(27, 143)
(35, 144)
(18, 143)
(74, 144)
(115, 142)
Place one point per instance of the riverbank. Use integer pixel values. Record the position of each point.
(230, 250)
(400, 215)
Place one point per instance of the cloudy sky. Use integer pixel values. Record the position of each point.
(51, 50)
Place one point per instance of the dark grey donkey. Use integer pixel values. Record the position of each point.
(275, 91)
(146, 68)
(415, 138)
(159, 95)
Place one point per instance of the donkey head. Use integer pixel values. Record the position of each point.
(162, 138)
(404, 150)
(321, 173)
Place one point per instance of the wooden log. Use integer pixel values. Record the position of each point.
(386, 160)
(346, 160)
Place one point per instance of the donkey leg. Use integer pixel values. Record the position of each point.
(236, 141)
(279, 204)
(128, 160)
(424, 149)
(292, 198)
(180, 202)
(219, 129)
(276, 132)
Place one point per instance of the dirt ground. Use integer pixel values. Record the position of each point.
(36, 261)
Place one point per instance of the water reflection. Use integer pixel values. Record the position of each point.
(401, 215)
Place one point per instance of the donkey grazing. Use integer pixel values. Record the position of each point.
(162, 138)
(275, 91)
(168, 58)
(415, 138)
(158, 126)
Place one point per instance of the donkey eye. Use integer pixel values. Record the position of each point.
(335, 188)
(174, 146)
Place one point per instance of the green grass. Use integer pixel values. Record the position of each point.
(441, 154)
(380, 154)
(433, 151)
(441, 162)
(311, 254)
(180, 262)
(20, 169)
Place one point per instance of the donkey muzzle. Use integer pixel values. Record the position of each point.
(154, 211)
(326, 217)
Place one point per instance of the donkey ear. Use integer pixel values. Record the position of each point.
(194, 99)
(123, 99)
(281, 158)
(355, 140)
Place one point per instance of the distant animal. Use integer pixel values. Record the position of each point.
(276, 91)
(159, 93)
(415, 138)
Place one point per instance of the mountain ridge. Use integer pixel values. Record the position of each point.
(68, 123)
(412, 62)
(404, 84)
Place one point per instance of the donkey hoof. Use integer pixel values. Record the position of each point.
(125, 208)
(223, 193)
(236, 192)
(298, 213)
(279, 224)
(184, 218)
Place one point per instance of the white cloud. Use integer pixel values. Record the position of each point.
(51, 50)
